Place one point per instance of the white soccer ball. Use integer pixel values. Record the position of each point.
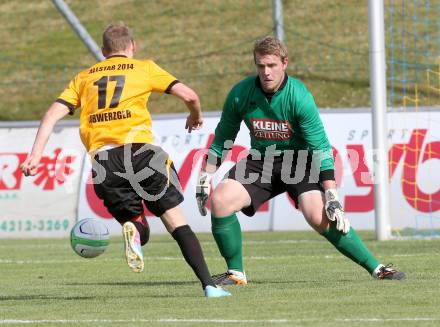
(89, 237)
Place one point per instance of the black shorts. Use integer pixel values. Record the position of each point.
(263, 181)
(129, 175)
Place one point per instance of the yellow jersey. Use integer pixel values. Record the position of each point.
(113, 95)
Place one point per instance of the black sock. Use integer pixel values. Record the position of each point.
(192, 252)
(144, 231)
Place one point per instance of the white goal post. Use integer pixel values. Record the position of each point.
(379, 118)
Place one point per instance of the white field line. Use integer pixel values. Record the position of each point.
(176, 258)
(387, 319)
(282, 241)
(23, 245)
(213, 321)
(250, 242)
(54, 246)
(336, 256)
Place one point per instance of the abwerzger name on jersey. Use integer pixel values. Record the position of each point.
(271, 129)
(110, 115)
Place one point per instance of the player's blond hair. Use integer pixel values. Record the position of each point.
(270, 46)
(116, 37)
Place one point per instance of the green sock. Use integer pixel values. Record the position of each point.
(352, 247)
(227, 235)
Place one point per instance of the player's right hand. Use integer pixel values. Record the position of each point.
(203, 189)
(30, 166)
(194, 121)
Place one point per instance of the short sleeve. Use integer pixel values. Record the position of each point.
(70, 96)
(160, 79)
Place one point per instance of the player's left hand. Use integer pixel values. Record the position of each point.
(335, 212)
(203, 189)
(193, 122)
(30, 166)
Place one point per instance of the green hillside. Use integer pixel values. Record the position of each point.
(206, 44)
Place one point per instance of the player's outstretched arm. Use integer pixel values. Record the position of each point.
(55, 112)
(195, 120)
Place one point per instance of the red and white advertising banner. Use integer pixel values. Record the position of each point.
(414, 153)
(49, 203)
(44, 205)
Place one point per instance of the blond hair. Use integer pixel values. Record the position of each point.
(270, 46)
(116, 37)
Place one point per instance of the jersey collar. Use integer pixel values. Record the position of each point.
(269, 95)
(114, 56)
(283, 84)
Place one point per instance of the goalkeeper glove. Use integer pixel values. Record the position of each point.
(335, 212)
(203, 189)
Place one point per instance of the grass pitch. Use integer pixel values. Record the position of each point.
(296, 279)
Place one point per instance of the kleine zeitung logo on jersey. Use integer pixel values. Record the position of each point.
(270, 129)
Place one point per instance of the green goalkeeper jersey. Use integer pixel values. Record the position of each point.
(285, 120)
